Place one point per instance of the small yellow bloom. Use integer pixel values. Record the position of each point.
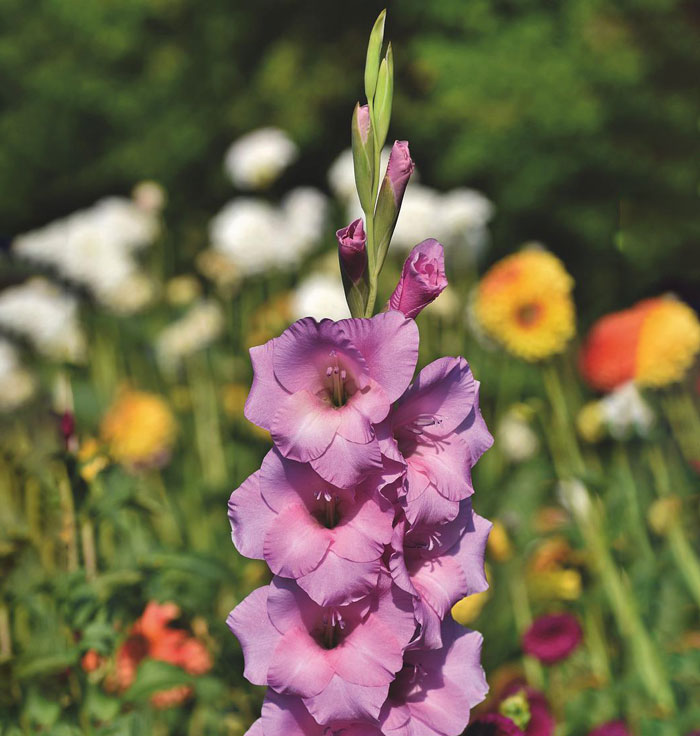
(590, 422)
(92, 461)
(669, 340)
(524, 302)
(563, 584)
(469, 608)
(139, 429)
(499, 545)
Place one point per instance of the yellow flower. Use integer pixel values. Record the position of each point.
(498, 544)
(92, 461)
(668, 342)
(524, 302)
(590, 422)
(469, 608)
(547, 575)
(139, 429)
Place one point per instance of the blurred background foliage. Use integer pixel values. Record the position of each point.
(579, 119)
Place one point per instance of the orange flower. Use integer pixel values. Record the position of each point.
(151, 637)
(653, 343)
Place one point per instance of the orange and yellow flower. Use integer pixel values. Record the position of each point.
(524, 303)
(653, 343)
(139, 429)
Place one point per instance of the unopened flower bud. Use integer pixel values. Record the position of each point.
(363, 155)
(422, 279)
(352, 249)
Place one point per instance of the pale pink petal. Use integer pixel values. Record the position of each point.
(295, 542)
(307, 348)
(372, 402)
(474, 432)
(346, 464)
(299, 665)
(285, 715)
(337, 581)
(304, 426)
(389, 345)
(289, 607)
(445, 389)
(250, 517)
(256, 729)
(342, 700)
(441, 582)
(469, 551)
(353, 425)
(364, 530)
(370, 655)
(431, 508)
(394, 608)
(250, 623)
(266, 393)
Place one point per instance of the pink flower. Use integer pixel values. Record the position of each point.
(340, 659)
(552, 638)
(286, 714)
(320, 388)
(612, 728)
(398, 170)
(330, 540)
(352, 250)
(436, 431)
(541, 721)
(422, 279)
(436, 688)
(439, 565)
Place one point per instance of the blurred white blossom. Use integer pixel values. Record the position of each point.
(201, 325)
(16, 383)
(46, 316)
(256, 236)
(625, 412)
(320, 295)
(255, 160)
(96, 248)
(515, 436)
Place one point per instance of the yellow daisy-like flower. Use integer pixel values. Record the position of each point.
(669, 340)
(139, 429)
(524, 302)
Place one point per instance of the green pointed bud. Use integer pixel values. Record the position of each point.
(363, 155)
(374, 50)
(383, 97)
(391, 192)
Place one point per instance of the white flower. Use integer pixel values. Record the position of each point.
(625, 412)
(16, 383)
(574, 497)
(248, 232)
(516, 438)
(341, 177)
(95, 248)
(197, 329)
(46, 316)
(255, 160)
(464, 215)
(319, 296)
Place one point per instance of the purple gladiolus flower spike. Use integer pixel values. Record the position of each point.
(331, 540)
(436, 688)
(422, 279)
(321, 387)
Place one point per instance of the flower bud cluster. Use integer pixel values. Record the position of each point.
(362, 511)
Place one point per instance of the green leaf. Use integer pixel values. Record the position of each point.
(154, 676)
(47, 664)
(374, 50)
(384, 97)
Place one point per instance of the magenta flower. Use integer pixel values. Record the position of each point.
(552, 638)
(352, 250)
(493, 724)
(436, 431)
(320, 388)
(422, 279)
(436, 688)
(541, 721)
(439, 565)
(611, 728)
(339, 659)
(285, 714)
(330, 540)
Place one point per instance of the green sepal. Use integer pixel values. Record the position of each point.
(384, 97)
(363, 162)
(385, 217)
(355, 293)
(374, 50)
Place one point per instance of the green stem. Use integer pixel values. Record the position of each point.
(523, 618)
(629, 486)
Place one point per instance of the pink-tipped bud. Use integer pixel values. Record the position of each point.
(364, 123)
(422, 278)
(352, 248)
(399, 169)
